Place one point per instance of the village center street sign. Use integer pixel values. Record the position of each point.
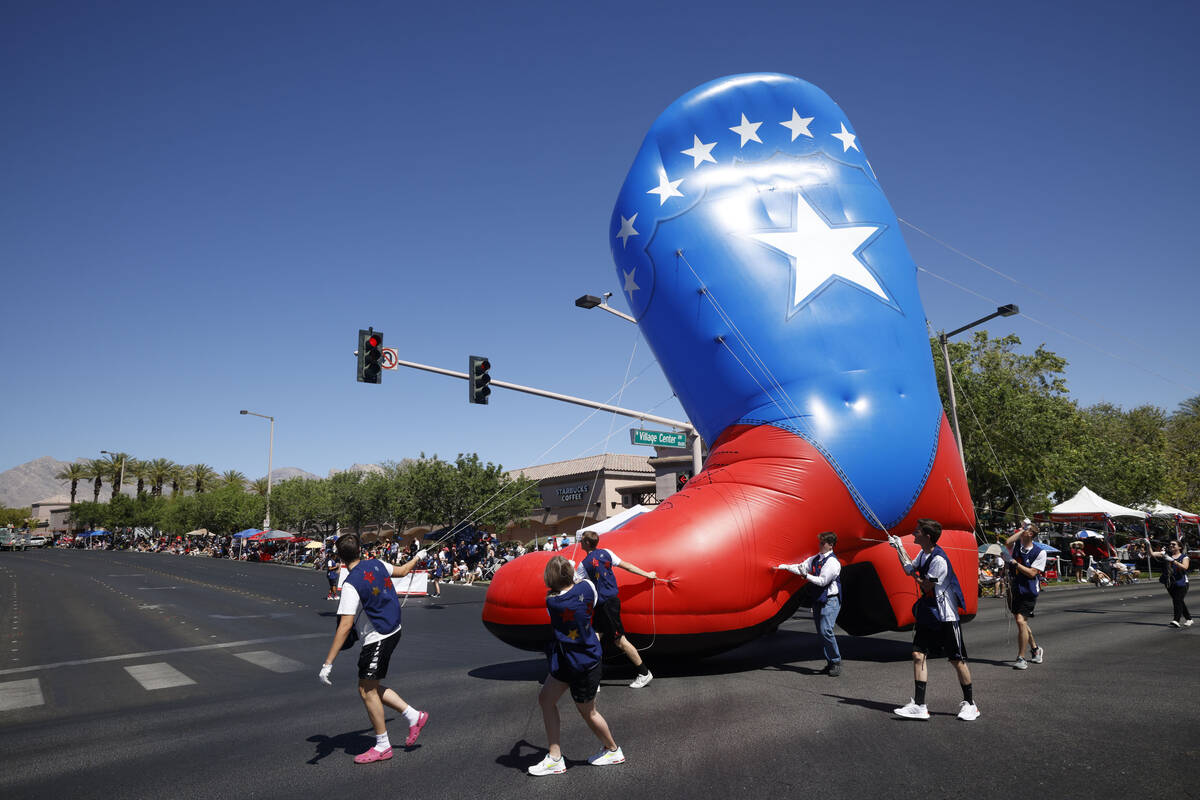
(657, 438)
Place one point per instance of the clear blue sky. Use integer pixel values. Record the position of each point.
(202, 205)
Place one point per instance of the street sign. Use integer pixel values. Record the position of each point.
(657, 438)
(389, 358)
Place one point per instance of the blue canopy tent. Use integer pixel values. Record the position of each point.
(246, 534)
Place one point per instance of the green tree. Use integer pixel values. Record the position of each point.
(74, 473)
(231, 477)
(95, 471)
(116, 471)
(160, 472)
(259, 486)
(1015, 417)
(1120, 455)
(1183, 456)
(138, 470)
(303, 505)
(202, 477)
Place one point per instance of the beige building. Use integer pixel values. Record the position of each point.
(52, 514)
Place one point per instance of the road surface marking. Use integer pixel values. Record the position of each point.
(158, 676)
(130, 656)
(272, 661)
(20, 694)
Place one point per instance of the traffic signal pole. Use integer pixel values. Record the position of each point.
(693, 436)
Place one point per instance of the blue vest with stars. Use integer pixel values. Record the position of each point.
(598, 566)
(1023, 584)
(373, 582)
(576, 645)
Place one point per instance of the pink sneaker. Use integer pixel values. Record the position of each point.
(415, 730)
(373, 755)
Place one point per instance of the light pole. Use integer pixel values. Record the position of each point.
(1003, 311)
(121, 476)
(591, 301)
(270, 457)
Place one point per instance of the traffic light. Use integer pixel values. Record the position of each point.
(478, 378)
(370, 356)
(681, 480)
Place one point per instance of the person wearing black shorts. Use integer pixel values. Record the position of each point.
(597, 566)
(937, 631)
(370, 606)
(1027, 562)
(575, 659)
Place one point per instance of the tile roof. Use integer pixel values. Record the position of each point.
(610, 462)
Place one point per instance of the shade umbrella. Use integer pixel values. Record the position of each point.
(313, 546)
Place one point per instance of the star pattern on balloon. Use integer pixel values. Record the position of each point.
(811, 240)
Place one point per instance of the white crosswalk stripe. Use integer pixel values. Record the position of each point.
(272, 661)
(158, 676)
(20, 694)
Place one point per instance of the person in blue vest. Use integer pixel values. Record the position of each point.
(1174, 577)
(1026, 562)
(370, 605)
(597, 566)
(575, 661)
(937, 631)
(823, 572)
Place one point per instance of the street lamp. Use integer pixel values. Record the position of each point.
(1002, 311)
(591, 301)
(121, 477)
(270, 457)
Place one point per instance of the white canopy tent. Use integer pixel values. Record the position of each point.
(1159, 509)
(1086, 504)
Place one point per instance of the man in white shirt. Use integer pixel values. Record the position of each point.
(823, 572)
(370, 605)
(1027, 561)
(937, 632)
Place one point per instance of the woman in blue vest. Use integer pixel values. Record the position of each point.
(369, 604)
(575, 663)
(823, 572)
(1174, 577)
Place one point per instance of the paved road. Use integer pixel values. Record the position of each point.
(127, 675)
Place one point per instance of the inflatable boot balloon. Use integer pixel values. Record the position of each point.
(766, 269)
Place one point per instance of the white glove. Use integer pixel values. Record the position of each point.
(895, 542)
(804, 568)
(422, 554)
(323, 675)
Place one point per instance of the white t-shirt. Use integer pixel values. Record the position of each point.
(351, 605)
(945, 608)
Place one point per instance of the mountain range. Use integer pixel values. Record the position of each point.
(34, 481)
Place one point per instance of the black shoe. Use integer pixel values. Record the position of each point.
(835, 669)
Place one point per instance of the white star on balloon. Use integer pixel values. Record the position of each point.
(630, 287)
(819, 253)
(846, 138)
(666, 189)
(700, 152)
(747, 130)
(798, 125)
(626, 230)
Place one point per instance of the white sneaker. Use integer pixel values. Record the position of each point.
(641, 680)
(606, 757)
(549, 766)
(1036, 656)
(1187, 623)
(1020, 663)
(1174, 623)
(912, 711)
(968, 711)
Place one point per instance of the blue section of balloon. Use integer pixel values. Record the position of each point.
(767, 270)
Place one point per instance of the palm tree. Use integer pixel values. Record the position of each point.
(140, 470)
(259, 486)
(95, 470)
(115, 471)
(203, 476)
(231, 477)
(158, 473)
(178, 475)
(73, 473)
